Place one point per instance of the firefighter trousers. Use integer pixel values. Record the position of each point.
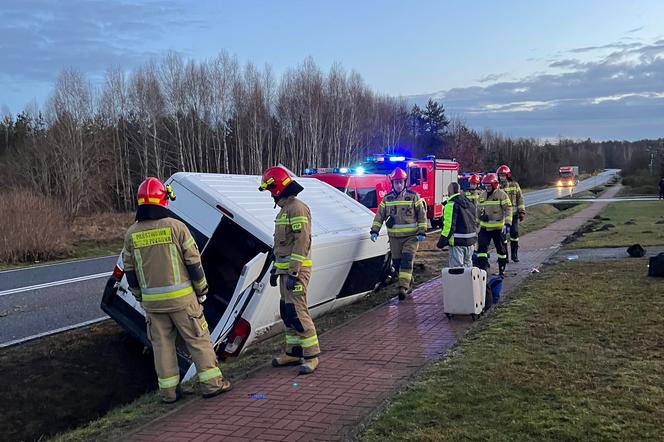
(485, 238)
(301, 337)
(190, 324)
(403, 251)
(514, 235)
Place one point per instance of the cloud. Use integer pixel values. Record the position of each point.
(632, 31)
(492, 77)
(38, 38)
(617, 95)
(617, 45)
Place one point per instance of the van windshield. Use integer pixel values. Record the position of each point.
(367, 197)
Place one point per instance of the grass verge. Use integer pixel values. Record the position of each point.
(542, 215)
(625, 223)
(574, 356)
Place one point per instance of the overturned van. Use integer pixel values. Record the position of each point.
(232, 224)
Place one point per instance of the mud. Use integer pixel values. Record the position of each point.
(62, 381)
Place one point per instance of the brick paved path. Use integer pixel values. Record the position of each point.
(363, 364)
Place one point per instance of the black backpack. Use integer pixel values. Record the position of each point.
(656, 265)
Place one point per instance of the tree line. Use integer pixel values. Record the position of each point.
(90, 147)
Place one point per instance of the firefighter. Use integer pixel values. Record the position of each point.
(402, 211)
(513, 190)
(164, 272)
(459, 228)
(474, 189)
(292, 270)
(495, 210)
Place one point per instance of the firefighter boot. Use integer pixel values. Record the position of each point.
(403, 292)
(309, 366)
(285, 361)
(514, 246)
(172, 400)
(225, 386)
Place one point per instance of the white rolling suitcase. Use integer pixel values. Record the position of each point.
(464, 290)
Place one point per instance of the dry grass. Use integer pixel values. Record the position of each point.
(34, 228)
(102, 226)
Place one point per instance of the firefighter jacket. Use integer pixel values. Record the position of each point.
(495, 210)
(459, 222)
(163, 265)
(513, 190)
(403, 214)
(292, 239)
(474, 197)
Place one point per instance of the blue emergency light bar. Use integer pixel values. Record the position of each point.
(342, 170)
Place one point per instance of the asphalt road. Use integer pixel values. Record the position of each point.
(550, 194)
(42, 299)
(45, 298)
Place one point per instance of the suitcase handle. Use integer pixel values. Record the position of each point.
(456, 271)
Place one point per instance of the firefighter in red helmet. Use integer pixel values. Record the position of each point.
(513, 190)
(164, 272)
(292, 270)
(495, 215)
(402, 211)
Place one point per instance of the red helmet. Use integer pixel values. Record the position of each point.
(152, 191)
(490, 178)
(504, 169)
(275, 179)
(475, 179)
(398, 174)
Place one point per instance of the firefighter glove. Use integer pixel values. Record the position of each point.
(522, 216)
(484, 217)
(442, 242)
(290, 283)
(273, 277)
(421, 237)
(506, 230)
(374, 236)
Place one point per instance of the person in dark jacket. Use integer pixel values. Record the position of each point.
(661, 189)
(459, 228)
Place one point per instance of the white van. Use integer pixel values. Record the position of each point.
(232, 223)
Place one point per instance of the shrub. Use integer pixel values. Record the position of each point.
(34, 228)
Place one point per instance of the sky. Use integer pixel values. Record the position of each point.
(540, 69)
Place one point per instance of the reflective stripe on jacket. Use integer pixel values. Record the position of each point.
(495, 210)
(402, 213)
(163, 265)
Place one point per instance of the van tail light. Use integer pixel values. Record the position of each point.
(118, 273)
(236, 339)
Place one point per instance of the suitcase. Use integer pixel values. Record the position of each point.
(464, 291)
(656, 265)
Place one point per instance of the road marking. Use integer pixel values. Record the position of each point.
(41, 266)
(52, 332)
(54, 283)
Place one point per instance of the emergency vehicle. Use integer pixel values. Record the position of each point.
(568, 176)
(233, 224)
(367, 189)
(429, 177)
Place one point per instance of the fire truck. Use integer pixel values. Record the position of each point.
(368, 183)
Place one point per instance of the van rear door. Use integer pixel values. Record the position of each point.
(249, 283)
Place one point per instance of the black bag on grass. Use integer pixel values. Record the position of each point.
(636, 251)
(656, 265)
